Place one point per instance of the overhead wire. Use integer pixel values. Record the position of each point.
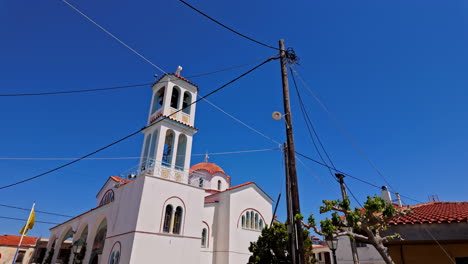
(24, 220)
(226, 27)
(129, 86)
(29, 209)
(342, 130)
(138, 131)
(139, 157)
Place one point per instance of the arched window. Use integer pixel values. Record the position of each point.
(251, 219)
(181, 147)
(219, 185)
(186, 102)
(158, 100)
(200, 182)
(252, 222)
(152, 147)
(203, 237)
(256, 221)
(145, 152)
(175, 97)
(177, 220)
(99, 241)
(167, 219)
(107, 197)
(168, 149)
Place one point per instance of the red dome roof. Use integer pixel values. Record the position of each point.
(210, 167)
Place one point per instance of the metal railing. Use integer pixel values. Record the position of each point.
(151, 167)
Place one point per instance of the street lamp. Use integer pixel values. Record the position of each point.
(77, 247)
(332, 243)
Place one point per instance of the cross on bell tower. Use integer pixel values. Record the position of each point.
(167, 145)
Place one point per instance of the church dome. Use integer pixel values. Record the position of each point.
(208, 166)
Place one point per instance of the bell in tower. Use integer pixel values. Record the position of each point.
(167, 145)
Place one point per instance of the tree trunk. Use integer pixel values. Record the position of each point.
(383, 251)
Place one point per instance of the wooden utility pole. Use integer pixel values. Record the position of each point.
(297, 249)
(345, 196)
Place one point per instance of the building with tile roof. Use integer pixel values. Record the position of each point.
(8, 245)
(435, 232)
(165, 211)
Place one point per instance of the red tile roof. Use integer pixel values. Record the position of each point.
(178, 76)
(210, 202)
(208, 166)
(435, 212)
(238, 186)
(10, 240)
(120, 180)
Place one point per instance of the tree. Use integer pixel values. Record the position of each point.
(272, 246)
(365, 225)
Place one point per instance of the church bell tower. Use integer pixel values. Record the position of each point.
(167, 145)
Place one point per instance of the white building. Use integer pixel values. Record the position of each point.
(168, 212)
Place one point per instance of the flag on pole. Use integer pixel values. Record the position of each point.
(30, 224)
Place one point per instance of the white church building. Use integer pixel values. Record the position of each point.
(167, 211)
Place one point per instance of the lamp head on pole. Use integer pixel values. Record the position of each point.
(332, 242)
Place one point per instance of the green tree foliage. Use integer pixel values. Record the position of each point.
(272, 246)
(363, 224)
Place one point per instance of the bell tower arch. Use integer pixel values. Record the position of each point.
(167, 146)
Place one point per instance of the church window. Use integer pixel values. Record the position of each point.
(204, 236)
(256, 221)
(167, 219)
(219, 185)
(181, 149)
(251, 219)
(200, 182)
(252, 222)
(168, 149)
(186, 102)
(145, 152)
(107, 197)
(158, 100)
(177, 220)
(175, 97)
(152, 149)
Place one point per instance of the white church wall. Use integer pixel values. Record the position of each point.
(214, 182)
(242, 199)
(206, 254)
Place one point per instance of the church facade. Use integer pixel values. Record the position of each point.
(167, 211)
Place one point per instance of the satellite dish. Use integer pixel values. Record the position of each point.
(276, 115)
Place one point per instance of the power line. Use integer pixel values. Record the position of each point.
(342, 130)
(37, 211)
(226, 27)
(138, 131)
(122, 158)
(114, 37)
(128, 86)
(77, 91)
(24, 220)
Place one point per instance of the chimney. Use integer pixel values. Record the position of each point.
(398, 199)
(386, 194)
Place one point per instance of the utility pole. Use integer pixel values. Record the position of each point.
(345, 195)
(290, 217)
(297, 249)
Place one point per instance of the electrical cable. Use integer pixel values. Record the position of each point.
(37, 211)
(342, 130)
(310, 127)
(129, 86)
(138, 131)
(226, 27)
(25, 220)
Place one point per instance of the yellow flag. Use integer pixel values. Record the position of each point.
(30, 224)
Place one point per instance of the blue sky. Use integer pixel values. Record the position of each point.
(394, 74)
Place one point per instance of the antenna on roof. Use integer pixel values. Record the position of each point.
(433, 198)
(206, 157)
